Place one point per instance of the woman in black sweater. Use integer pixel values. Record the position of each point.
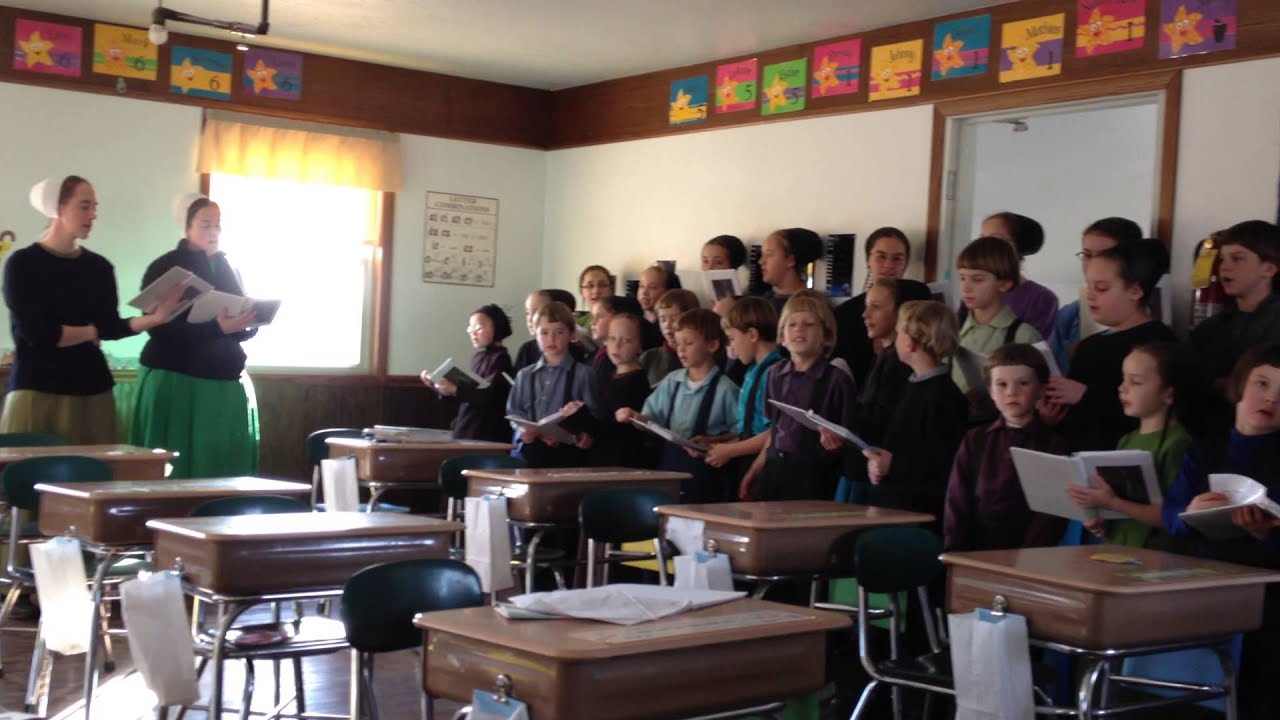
(62, 303)
(193, 393)
(482, 413)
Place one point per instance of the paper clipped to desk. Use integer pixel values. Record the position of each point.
(1044, 478)
(1241, 491)
(194, 288)
(211, 304)
(816, 422)
(666, 434)
(548, 427)
(458, 375)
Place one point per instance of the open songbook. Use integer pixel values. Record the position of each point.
(1044, 477)
(1241, 491)
(459, 376)
(209, 305)
(666, 434)
(814, 421)
(194, 287)
(548, 426)
(722, 284)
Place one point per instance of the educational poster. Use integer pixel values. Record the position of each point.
(837, 68)
(896, 70)
(200, 73)
(460, 241)
(273, 74)
(48, 48)
(784, 85)
(1108, 26)
(736, 86)
(961, 47)
(124, 51)
(1032, 48)
(1192, 27)
(688, 101)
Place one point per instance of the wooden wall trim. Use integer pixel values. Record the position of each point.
(635, 107)
(390, 98)
(382, 264)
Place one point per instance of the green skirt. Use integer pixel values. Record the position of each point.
(81, 419)
(212, 424)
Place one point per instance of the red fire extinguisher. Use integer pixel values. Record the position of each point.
(1207, 296)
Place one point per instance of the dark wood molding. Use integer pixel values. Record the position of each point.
(388, 98)
(635, 107)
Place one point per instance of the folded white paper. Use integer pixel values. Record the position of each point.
(488, 542)
(622, 604)
(340, 485)
(66, 608)
(155, 614)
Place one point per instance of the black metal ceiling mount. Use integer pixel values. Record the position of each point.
(162, 14)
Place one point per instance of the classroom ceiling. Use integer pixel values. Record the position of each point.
(548, 44)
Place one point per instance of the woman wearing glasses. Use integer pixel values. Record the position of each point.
(481, 416)
(594, 282)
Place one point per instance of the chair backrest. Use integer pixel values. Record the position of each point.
(454, 485)
(250, 505)
(31, 439)
(619, 515)
(20, 478)
(379, 602)
(317, 450)
(897, 559)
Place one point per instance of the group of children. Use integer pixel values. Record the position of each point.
(937, 442)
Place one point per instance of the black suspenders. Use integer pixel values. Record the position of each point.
(704, 408)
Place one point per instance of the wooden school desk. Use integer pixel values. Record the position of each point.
(109, 519)
(545, 498)
(237, 562)
(126, 461)
(1104, 611)
(383, 466)
(768, 541)
(728, 656)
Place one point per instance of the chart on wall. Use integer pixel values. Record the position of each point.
(460, 240)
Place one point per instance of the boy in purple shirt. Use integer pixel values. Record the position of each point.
(985, 508)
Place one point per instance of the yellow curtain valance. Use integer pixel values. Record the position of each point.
(266, 147)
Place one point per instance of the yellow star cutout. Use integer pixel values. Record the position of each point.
(949, 56)
(777, 93)
(727, 92)
(185, 76)
(36, 50)
(1096, 33)
(1022, 60)
(263, 77)
(826, 75)
(1184, 30)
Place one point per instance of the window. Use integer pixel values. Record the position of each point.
(312, 247)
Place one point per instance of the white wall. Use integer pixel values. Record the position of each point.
(1228, 157)
(626, 205)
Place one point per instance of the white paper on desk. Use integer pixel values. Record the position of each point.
(1241, 491)
(685, 534)
(488, 544)
(66, 609)
(622, 604)
(991, 659)
(340, 485)
(155, 614)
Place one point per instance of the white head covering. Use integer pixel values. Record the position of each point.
(44, 196)
(182, 203)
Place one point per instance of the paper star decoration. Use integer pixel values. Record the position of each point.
(1184, 30)
(1096, 33)
(777, 93)
(1022, 59)
(186, 75)
(36, 50)
(727, 92)
(949, 56)
(826, 75)
(889, 79)
(115, 55)
(264, 78)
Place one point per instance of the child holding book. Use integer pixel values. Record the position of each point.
(556, 383)
(1085, 404)
(1252, 448)
(697, 403)
(625, 388)
(751, 327)
(798, 463)
(1158, 388)
(986, 508)
(989, 269)
(529, 352)
(661, 361)
(481, 415)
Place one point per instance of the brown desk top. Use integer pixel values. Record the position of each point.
(100, 452)
(787, 514)
(536, 476)
(1072, 567)
(572, 639)
(196, 487)
(310, 525)
(482, 446)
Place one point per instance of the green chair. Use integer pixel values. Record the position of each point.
(318, 449)
(622, 515)
(378, 607)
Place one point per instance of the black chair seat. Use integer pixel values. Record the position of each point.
(932, 669)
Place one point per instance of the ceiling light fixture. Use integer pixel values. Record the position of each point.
(159, 33)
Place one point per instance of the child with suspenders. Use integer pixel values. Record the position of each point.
(751, 325)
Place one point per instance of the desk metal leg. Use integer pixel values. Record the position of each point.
(1088, 685)
(91, 654)
(1228, 680)
(227, 615)
(375, 491)
(530, 560)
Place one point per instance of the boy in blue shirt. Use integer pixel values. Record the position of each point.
(751, 325)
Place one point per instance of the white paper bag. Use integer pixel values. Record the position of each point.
(159, 639)
(992, 666)
(488, 542)
(685, 534)
(66, 607)
(703, 571)
(340, 485)
(484, 706)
